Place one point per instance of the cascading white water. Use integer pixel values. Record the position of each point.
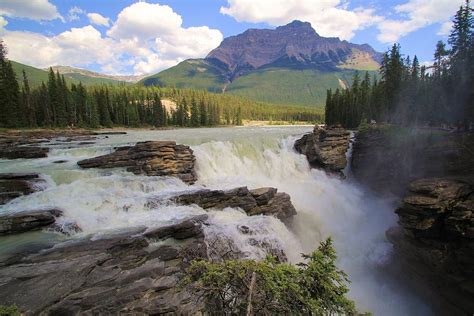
(103, 201)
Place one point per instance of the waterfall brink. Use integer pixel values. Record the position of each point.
(326, 206)
(105, 201)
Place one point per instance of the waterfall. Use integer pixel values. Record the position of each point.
(104, 201)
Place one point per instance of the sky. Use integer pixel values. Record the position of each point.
(144, 37)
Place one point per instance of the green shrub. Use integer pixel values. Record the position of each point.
(10, 310)
(316, 286)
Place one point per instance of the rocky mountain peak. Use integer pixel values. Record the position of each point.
(295, 45)
(297, 26)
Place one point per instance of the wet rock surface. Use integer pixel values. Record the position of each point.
(262, 201)
(21, 222)
(14, 185)
(126, 273)
(134, 272)
(325, 148)
(436, 237)
(151, 158)
(13, 151)
(32, 144)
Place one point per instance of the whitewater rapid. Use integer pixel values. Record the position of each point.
(105, 201)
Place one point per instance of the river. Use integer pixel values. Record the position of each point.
(102, 202)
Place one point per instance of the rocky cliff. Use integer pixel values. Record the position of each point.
(432, 172)
(436, 238)
(388, 158)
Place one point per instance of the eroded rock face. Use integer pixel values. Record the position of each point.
(387, 158)
(119, 274)
(151, 158)
(325, 148)
(436, 237)
(262, 201)
(13, 185)
(27, 221)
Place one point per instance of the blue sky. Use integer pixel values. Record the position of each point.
(132, 37)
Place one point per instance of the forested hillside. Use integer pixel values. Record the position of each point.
(272, 85)
(408, 94)
(59, 103)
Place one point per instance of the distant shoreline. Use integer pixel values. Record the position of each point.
(142, 128)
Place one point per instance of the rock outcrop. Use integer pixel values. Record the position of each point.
(387, 158)
(325, 148)
(436, 238)
(151, 158)
(16, 152)
(262, 201)
(135, 272)
(33, 144)
(128, 273)
(13, 185)
(21, 222)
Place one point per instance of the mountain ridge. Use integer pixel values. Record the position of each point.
(290, 65)
(296, 44)
(73, 70)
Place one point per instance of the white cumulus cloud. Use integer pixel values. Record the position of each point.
(155, 33)
(328, 17)
(30, 9)
(78, 46)
(417, 14)
(98, 19)
(145, 37)
(145, 21)
(334, 18)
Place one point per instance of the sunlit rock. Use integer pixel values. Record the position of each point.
(325, 148)
(151, 158)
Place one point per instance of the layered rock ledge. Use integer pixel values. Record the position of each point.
(129, 273)
(325, 148)
(436, 238)
(32, 144)
(14, 185)
(261, 201)
(151, 158)
(21, 222)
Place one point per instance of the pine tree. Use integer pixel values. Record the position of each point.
(204, 120)
(12, 96)
(439, 56)
(415, 69)
(195, 116)
(28, 112)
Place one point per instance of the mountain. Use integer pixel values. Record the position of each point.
(72, 75)
(35, 75)
(91, 76)
(291, 64)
